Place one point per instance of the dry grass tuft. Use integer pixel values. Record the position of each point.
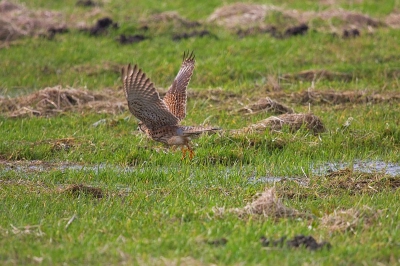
(266, 105)
(267, 204)
(349, 220)
(55, 100)
(293, 121)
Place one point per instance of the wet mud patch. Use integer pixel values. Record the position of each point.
(77, 190)
(266, 204)
(360, 182)
(56, 100)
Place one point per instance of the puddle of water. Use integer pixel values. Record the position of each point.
(391, 169)
(40, 166)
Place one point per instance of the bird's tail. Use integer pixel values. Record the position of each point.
(197, 130)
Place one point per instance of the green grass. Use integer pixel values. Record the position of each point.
(158, 209)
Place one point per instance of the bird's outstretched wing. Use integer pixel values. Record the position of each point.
(175, 99)
(144, 101)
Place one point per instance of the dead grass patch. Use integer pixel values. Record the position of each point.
(292, 121)
(312, 75)
(393, 19)
(169, 17)
(56, 100)
(359, 182)
(266, 204)
(239, 14)
(243, 15)
(350, 219)
(16, 21)
(342, 97)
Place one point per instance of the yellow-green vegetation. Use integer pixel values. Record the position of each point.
(79, 184)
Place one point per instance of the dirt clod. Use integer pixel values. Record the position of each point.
(296, 30)
(101, 26)
(351, 33)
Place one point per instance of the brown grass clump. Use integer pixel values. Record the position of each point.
(16, 20)
(83, 189)
(349, 220)
(267, 204)
(266, 105)
(293, 121)
(55, 100)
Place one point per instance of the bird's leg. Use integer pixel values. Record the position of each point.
(183, 152)
(191, 152)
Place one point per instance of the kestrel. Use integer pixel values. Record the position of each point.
(160, 118)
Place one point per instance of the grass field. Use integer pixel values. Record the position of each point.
(79, 184)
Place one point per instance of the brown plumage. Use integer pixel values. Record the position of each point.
(159, 118)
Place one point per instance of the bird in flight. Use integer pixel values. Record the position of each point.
(160, 118)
